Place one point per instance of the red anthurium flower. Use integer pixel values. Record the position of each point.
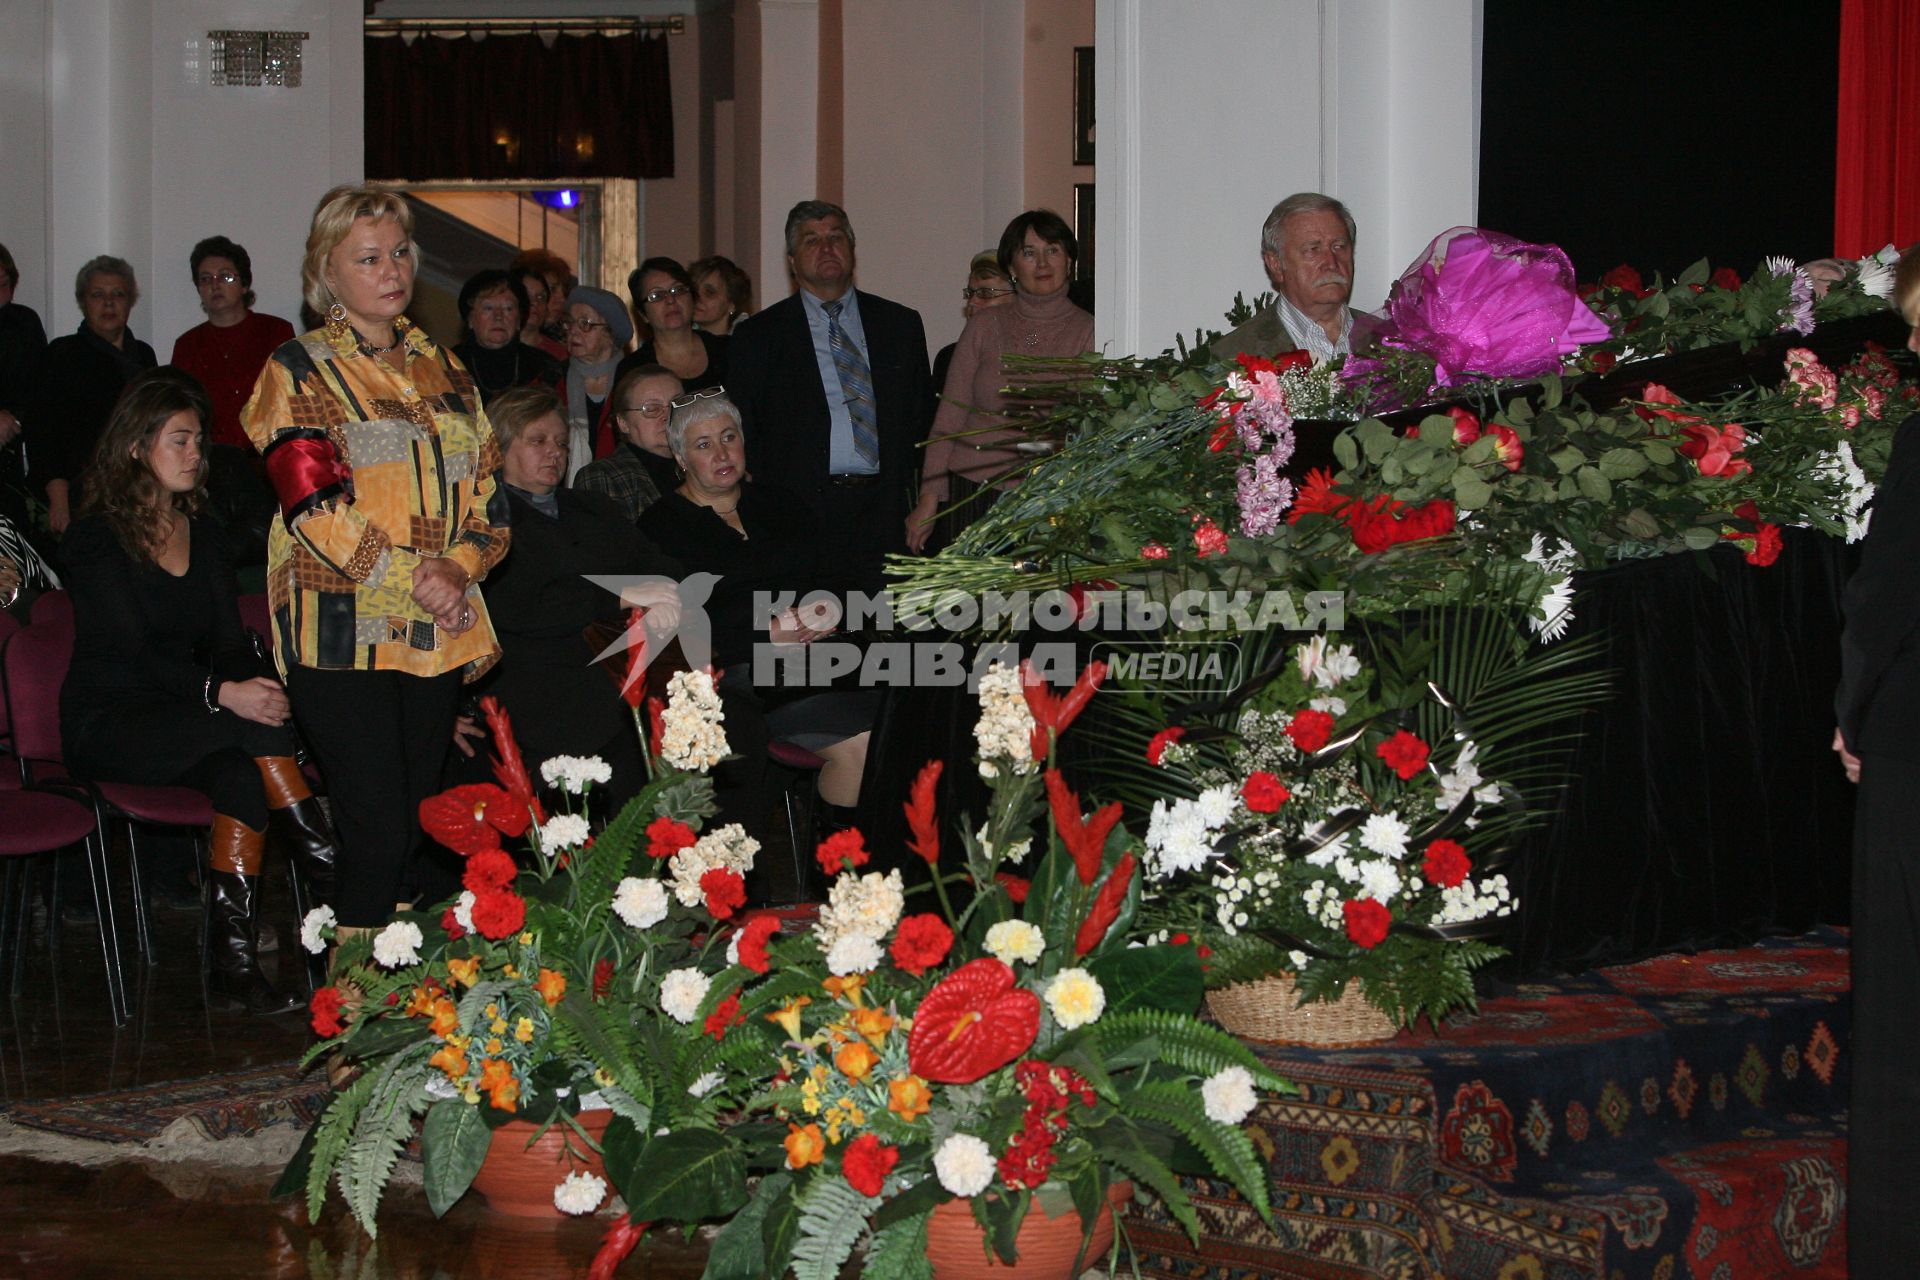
(921, 819)
(1366, 922)
(975, 1020)
(1052, 715)
(1404, 753)
(1263, 792)
(725, 891)
(1106, 906)
(619, 1241)
(1446, 863)
(921, 943)
(1310, 729)
(867, 1163)
(634, 687)
(1086, 841)
(467, 819)
(1157, 749)
(508, 767)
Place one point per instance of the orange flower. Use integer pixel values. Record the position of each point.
(788, 1016)
(847, 988)
(856, 1061)
(804, 1146)
(551, 986)
(446, 1018)
(422, 1004)
(873, 1024)
(908, 1097)
(451, 1059)
(503, 1091)
(465, 972)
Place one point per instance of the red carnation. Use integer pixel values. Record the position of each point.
(498, 912)
(1446, 863)
(1310, 729)
(921, 943)
(921, 819)
(1263, 792)
(1762, 546)
(1366, 922)
(325, 1006)
(490, 869)
(667, 836)
(1725, 278)
(1153, 551)
(725, 890)
(867, 1163)
(451, 926)
(1016, 886)
(1208, 540)
(754, 935)
(1157, 749)
(725, 1014)
(1404, 753)
(1106, 906)
(842, 849)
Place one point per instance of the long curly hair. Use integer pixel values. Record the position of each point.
(119, 484)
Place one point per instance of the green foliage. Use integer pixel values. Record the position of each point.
(738, 1251)
(384, 1127)
(333, 1133)
(690, 1175)
(899, 1252)
(454, 1143)
(833, 1217)
(1179, 1042)
(1164, 978)
(1227, 1150)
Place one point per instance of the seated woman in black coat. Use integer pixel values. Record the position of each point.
(541, 601)
(757, 538)
(164, 688)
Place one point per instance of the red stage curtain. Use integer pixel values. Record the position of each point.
(511, 108)
(1877, 169)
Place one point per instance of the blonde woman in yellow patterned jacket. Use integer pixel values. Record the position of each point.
(384, 465)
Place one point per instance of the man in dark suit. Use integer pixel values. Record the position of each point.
(1306, 246)
(833, 388)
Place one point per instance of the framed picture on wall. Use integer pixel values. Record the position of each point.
(1083, 229)
(1083, 104)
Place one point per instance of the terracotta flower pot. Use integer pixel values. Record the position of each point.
(1045, 1247)
(519, 1180)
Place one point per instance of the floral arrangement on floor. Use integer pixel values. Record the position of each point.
(1021, 1054)
(579, 975)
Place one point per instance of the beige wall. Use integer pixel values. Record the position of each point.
(670, 208)
(1053, 28)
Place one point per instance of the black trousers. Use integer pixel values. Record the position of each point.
(381, 738)
(1883, 1232)
(163, 741)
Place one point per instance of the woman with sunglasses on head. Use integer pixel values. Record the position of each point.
(598, 331)
(663, 298)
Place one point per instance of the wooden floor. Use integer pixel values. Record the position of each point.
(141, 1219)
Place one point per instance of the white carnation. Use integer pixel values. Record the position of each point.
(1228, 1096)
(639, 903)
(964, 1165)
(681, 993)
(315, 927)
(579, 1193)
(1004, 732)
(564, 831)
(1385, 834)
(729, 847)
(868, 905)
(1012, 940)
(398, 944)
(854, 953)
(691, 736)
(574, 774)
(1075, 998)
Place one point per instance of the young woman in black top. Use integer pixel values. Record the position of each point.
(164, 688)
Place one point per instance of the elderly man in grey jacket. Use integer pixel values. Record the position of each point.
(1306, 245)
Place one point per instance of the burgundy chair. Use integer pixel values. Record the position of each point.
(34, 822)
(54, 606)
(34, 665)
(8, 625)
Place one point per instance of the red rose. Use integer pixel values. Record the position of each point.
(1263, 792)
(1385, 522)
(325, 1007)
(1507, 447)
(1725, 278)
(754, 935)
(1404, 753)
(1625, 277)
(1713, 448)
(666, 837)
(725, 890)
(867, 1164)
(921, 943)
(1466, 425)
(1157, 749)
(1310, 729)
(498, 912)
(490, 869)
(1208, 540)
(1295, 359)
(1366, 922)
(1016, 886)
(1446, 863)
(842, 849)
(1656, 395)
(724, 1015)
(1602, 361)
(602, 978)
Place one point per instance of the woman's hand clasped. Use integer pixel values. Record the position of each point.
(440, 587)
(260, 700)
(660, 600)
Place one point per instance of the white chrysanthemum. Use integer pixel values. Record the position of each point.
(868, 905)
(1380, 881)
(640, 903)
(706, 1084)
(1554, 613)
(1004, 732)
(729, 846)
(1458, 784)
(691, 736)
(1385, 834)
(681, 993)
(579, 1193)
(1015, 940)
(854, 953)
(1217, 805)
(1075, 998)
(1180, 836)
(964, 1165)
(316, 927)
(463, 909)
(1335, 707)
(1876, 278)
(1228, 1096)
(574, 774)
(564, 831)
(397, 944)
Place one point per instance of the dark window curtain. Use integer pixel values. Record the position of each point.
(1877, 162)
(511, 108)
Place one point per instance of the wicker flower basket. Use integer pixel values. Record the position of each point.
(1266, 1011)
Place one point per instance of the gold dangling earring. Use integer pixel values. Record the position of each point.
(337, 314)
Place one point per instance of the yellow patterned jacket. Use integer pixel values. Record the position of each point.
(375, 469)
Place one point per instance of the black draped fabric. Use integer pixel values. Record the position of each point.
(518, 107)
(1706, 807)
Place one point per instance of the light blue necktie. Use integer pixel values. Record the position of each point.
(856, 385)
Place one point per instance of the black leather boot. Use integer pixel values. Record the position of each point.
(302, 821)
(234, 979)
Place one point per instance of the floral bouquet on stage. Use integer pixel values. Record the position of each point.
(1011, 1060)
(579, 976)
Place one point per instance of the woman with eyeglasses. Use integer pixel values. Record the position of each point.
(636, 473)
(987, 286)
(663, 298)
(973, 444)
(81, 379)
(228, 350)
(597, 333)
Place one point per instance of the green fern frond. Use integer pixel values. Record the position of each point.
(1182, 1042)
(1123, 1143)
(778, 989)
(900, 1252)
(1226, 1147)
(833, 1216)
(330, 1144)
(384, 1128)
(612, 853)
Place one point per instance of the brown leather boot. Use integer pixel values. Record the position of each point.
(301, 821)
(233, 920)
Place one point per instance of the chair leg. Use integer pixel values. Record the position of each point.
(302, 903)
(142, 906)
(11, 922)
(109, 930)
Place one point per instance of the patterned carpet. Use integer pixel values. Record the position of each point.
(1680, 1117)
(236, 1104)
